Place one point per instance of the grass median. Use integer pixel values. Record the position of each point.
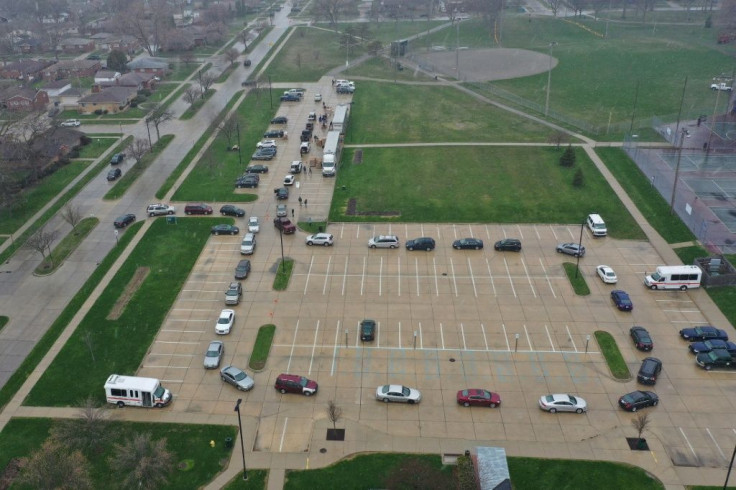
(114, 338)
(197, 105)
(577, 280)
(611, 352)
(283, 274)
(66, 246)
(129, 178)
(261, 347)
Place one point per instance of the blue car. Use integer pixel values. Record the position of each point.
(709, 345)
(621, 300)
(705, 332)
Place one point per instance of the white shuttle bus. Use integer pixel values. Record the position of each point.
(682, 277)
(136, 391)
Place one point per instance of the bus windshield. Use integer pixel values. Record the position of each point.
(656, 277)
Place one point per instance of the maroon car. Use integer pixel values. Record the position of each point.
(478, 397)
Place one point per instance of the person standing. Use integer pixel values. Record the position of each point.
(292, 212)
(305, 203)
(300, 201)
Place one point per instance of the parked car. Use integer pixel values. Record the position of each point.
(280, 120)
(237, 377)
(242, 269)
(468, 244)
(304, 147)
(262, 155)
(246, 62)
(606, 274)
(257, 169)
(71, 123)
(709, 345)
(282, 210)
(224, 230)
(641, 338)
(281, 193)
(296, 167)
(248, 180)
(367, 330)
(268, 150)
(233, 293)
(649, 371)
(571, 249)
(714, 358)
(292, 383)
(289, 180)
(225, 322)
(384, 241)
(621, 300)
(562, 403)
(290, 98)
(705, 332)
(324, 239)
(254, 225)
(318, 97)
(214, 353)
(248, 245)
(398, 393)
(478, 398)
(508, 244)
(159, 209)
(113, 174)
(266, 144)
(117, 158)
(198, 208)
(230, 210)
(638, 399)
(422, 243)
(285, 225)
(124, 220)
(274, 133)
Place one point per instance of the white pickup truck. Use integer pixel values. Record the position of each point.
(720, 86)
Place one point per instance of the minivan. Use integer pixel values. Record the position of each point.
(198, 208)
(292, 383)
(596, 225)
(384, 241)
(649, 370)
(423, 243)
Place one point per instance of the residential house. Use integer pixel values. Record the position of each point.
(28, 45)
(148, 64)
(106, 77)
(24, 69)
(137, 80)
(111, 99)
(24, 99)
(69, 98)
(54, 88)
(72, 69)
(76, 45)
(102, 40)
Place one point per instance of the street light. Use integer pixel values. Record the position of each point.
(549, 76)
(240, 160)
(683, 132)
(150, 145)
(580, 248)
(242, 445)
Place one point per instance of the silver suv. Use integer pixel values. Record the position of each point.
(159, 209)
(384, 241)
(233, 293)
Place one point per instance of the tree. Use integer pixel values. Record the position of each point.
(191, 94)
(72, 215)
(374, 47)
(138, 149)
(640, 423)
(328, 10)
(158, 116)
(142, 462)
(577, 179)
(206, 80)
(228, 128)
(568, 157)
(148, 21)
(334, 413)
(89, 433)
(117, 61)
(187, 58)
(559, 137)
(55, 466)
(232, 55)
(41, 242)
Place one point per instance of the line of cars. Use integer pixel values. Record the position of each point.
(428, 243)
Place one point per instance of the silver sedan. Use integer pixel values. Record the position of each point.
(237, 377)
(398, 393)
(214, 353)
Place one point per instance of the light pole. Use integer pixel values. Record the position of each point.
(683, 131)
(580, 247)
(242, 445)
(270, 95)
(549, 77)
(457, 49)
(240, 160)
(150, 145)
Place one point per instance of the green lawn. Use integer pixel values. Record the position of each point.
(3, 321)
(192, 109)
(609, 349)
(188, 443)
(577, 279)
(261, 347)
(101, 346)
(476, 185)
(97, 147)
(256, 481)
(67, 245)
(384, 68)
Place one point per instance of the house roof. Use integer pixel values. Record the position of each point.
(48, 145)
(54, 84)
(110, 95)
(106, 74)
(28, 65)
(133, 79)
(149, 62)
(74, 92)
(21, 92)
(102, 36)
(74, 41)
(74, 65)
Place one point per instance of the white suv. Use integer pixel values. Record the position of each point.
(159, 209)
(266, 144)
(248, 245)
(384, 241)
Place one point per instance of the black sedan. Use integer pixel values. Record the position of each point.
(262, 155)
(510, 244)
(641, 338)
(468, 244)
(709, 345)
(621, 300)
(705, 332)
(248, 181)
(225, 230)
(257, 169)
(230, 210)
(638, 399)
(114, 174)
(281, 193)
(124, 220)
(280, 120)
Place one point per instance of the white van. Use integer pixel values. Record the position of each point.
(596, 225)
(136, 391)
(682, 277)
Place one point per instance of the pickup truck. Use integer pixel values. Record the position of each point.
(285, 225)
(720, 86)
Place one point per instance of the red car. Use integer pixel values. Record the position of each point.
(478, 397)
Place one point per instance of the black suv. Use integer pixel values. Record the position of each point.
(257, 169)
(423, 243)
(249, 180)
(511, 244)
(367, 330)
(242, 269)
(641, 338)
(290, 98)
(281, 193)
(114, 174)
(649, 370)
(274, 133)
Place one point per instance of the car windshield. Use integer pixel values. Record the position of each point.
(303, 381)
(212, 353)
(405, 391)
(239, 376)
(223, 319)
(159, 392)
(656, 277)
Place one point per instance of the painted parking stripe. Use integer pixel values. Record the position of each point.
(485, 341)
(490, 276)
(380, 278)
(334, 350)
(553, 233)
(362, 279)
(442, 336)
(327, 274)
(528, 339)
(720, 451)
(421, 339)
(309, 272)
(521, 235)
(283, 434)
(687, 441)
(314, 347)
(345, 275)
(508, 273)
(488, 233)
(416, 272)
(462, 332)
(546, 276)
(398, 274)
(454, 281)
(551, 343)
(436, 284)
(536, 230)
(569, 336)
(293, 343)
(528, 277)
(366, 349)
(472, 278)
(506, 337)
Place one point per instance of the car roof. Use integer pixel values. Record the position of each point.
(395, 387)
(214, 343)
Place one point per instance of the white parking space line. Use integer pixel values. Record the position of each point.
(177, 342)
(550, 338)
(454, 282)
(537, 232)
(345, 275)
(720, 451)
(506, 337)
(488, 233)
(293, 343)
(342, 230)
(503, 230)
(554, 234)
(572, 235)
(398, 275)
(283, 433)
(508, 273)
(672, 300)
(688, 443)
(309, 272)
(185, 320)
(327, 274)
(439, 232)
(416, 272)
(421, 229)
(442, 336)
(462, 332)
(569, 336)
(485, 341)
(526, 271)
(362, 279)
(380, 278)
(334, 349)
(490, 275)
(470, 231)
(528, 339)
(546, 276)
(472, 278)
(357, 232)
(399, 335)
(436, 284)
(421, 339)
(521, 235)
(314, 347)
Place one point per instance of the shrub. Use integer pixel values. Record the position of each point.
(577, 180)
(568, 158)
(99, 112)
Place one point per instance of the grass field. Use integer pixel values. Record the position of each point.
(476, 185)
(97, 147)
(101, 346)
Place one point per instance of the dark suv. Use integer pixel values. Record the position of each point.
(292, 383)
(511, 244)
(367, 330)
(117, 158)
(199, 208)
(242, 269)
(423, 243)
(649, 370)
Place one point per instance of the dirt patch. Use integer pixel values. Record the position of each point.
(140, 275)
(358, 157)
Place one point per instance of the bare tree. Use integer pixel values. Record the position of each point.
(206, 80)
(148, 21)
(191, 94)
(328, 10)
(89, 433)
(232, 55)
(55, 466)
(158, 116)
(640, 423)
(298, 61)
(558, 137)
(41, 242)
(187, 58)
(142, 462)
(554, 6)
(228, 128)
(138, 149)
(334, 413)
(72, 214)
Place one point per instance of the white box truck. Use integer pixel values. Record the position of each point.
(136, 391)
(340, 120)
(331, 154)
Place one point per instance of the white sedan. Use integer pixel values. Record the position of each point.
(320, 239)
(71, 123)
(562, 403)
(289, 180)
(398, 393)
(225, 322)
(606, 274)
(266, 144)
(253, 225)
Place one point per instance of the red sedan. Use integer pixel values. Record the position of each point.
(476, 397)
